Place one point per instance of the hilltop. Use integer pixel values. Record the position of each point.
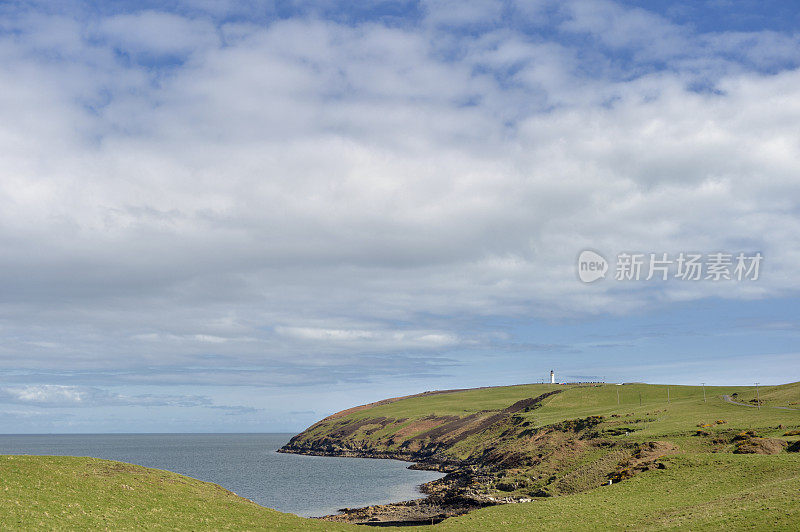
(533, 442)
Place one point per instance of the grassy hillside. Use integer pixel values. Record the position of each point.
(693, 492)
(645, 411)
(68, 493)
(545, 441)
(682, 463)
(577, 400)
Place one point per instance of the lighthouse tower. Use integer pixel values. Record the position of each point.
(552, 377)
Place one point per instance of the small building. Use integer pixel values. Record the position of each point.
(552, 377)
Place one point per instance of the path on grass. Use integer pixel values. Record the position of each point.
(729, 399)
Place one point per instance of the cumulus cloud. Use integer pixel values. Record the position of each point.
(155, 33)
(284, 193)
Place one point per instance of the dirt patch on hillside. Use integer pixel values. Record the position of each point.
(423, 425)
(350, 428)
(643, 458)
(529, 404)
(755, 445)
(458, 429)
(654, 450)
(110, 469)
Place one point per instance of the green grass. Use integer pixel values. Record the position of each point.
(69, 493)
(787, 395)
(699, 489)
(575, 465)
(685, 409)
(676, 417)
(697, 492)
(581, 401)
(457, 403)
(703, 491)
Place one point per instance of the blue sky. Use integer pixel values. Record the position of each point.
(244, 216)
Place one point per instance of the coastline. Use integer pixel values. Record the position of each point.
(318, 486)
(446, 497)
(475, 479)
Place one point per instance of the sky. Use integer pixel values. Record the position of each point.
(239, 216)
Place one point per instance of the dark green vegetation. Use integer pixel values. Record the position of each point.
(556, 443)
(686, 463)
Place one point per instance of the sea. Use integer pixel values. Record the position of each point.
(246, 464)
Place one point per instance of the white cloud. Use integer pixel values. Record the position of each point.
(210, 338)
(157, 33)
(62, 396)
(625, 28)
(385, 339)
(355, 177)
(325, 334)
(45, 394)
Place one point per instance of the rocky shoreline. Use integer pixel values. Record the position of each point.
(506, 459)
(457, 493)
(449, 496)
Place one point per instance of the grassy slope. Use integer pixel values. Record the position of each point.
(704, 486)
(68, 493)
(698, 492)
(676, 418)
(458, 403)
(674, 421)
(580, 401)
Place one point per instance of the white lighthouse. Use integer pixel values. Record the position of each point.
(552, 377)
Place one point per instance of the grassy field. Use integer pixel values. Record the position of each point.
(705, 491)
(581, 401)
(561, 462)
(68, 493)
(458, 403)
(694, 492)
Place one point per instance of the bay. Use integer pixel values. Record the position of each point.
(246, 464)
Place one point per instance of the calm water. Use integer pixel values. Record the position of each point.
(246, 464)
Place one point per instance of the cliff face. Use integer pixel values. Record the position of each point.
(435, 440)
(491, 456)
(511, 444)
